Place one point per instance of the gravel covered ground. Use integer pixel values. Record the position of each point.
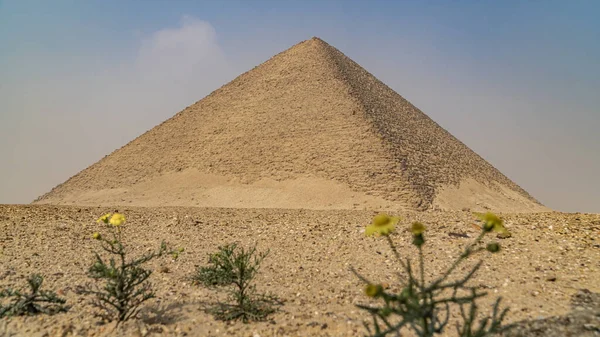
(541, 271)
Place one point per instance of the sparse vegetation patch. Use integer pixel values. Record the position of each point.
(235, 268)
(423, 306)
(35, 301)
(125, 286)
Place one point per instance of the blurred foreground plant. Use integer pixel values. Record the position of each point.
(125, 281)
(35, 302)
(236, 267)
(424, 307)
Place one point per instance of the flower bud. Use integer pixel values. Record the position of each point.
(493, 247)
(373, 290)
(418, 240)
(96, 236)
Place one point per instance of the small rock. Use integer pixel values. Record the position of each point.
(504, 235)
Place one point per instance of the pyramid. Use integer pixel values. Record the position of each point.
(308, 128)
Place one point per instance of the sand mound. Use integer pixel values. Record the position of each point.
(308, 128)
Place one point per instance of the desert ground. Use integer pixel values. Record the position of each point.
(548, 271)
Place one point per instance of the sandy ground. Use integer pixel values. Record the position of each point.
(549, 257)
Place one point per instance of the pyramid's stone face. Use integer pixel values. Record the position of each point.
(309, 128)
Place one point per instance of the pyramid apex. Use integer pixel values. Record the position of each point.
(317, 39)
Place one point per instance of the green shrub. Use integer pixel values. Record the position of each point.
(125, 286)
(424, 306)
(220, 271)
(235, 268)
(35, 302)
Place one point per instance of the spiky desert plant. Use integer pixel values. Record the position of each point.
(36, 301)
(422, 306)
(125, 286)
(236, 267)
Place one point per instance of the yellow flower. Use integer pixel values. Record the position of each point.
(96, 236)
(104, 218)
(117, 219)
(373, 290)
(492, 222)
(382, 224)
(417, 228)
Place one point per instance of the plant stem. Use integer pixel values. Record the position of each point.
(120, 287)
(395, 251)
(422, 267)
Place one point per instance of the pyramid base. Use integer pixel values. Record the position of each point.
(193, 188)
(475, 196)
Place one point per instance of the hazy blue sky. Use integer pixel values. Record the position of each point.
(517, 81)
